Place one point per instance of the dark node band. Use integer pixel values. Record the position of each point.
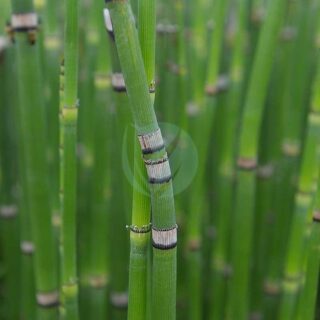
(164, 239)
(158, 170)
(23, 22)
(151, 142)
(153, 150)
(163, 247)
(160, 180)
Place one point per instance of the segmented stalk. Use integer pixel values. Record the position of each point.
(141, 211)
(226, 165)
(164, 229)
(200, 123)
(247, 161)
(69, 164)
(308, 296)
(32, 120)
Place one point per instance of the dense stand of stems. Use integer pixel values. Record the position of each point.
(239, 87)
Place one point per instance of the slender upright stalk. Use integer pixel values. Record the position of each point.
(247, 161)
(164, 229)
(32, 122)
(52, 48)
(69, 163)
(226, 165)
(141, 211)
(120, 198)
(307, 299)
(293, 268)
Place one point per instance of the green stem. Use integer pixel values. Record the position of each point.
(162, 202)
(32, 122)
(238, 303)
(69, 163)
(141, 210)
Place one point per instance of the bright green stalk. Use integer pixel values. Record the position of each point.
(52, 47)
(294, 105)
(269, 156)
(120, 125)
(296, 245)
(139, 241)
(307, 299)
(90, 29)
(293, 269)
(226, 165)
(202, 121)
(197, 51)
(162, 202)
(31, 112)
(120, 202)
(97, 273)
(69, 163)
(141, 211)
(247, 161)
(279, 185)
(99, 266)
(94, 167)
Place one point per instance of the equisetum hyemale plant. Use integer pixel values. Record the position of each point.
(204, 112)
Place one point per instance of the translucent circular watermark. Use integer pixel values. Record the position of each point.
(182, 153)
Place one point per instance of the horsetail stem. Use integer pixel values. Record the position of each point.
(164, 229)
(69, 112)
(140, 229)
(247, 160)
(24, 26)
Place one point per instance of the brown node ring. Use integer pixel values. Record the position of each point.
(247, 164)
(119, 300)
(24, 22)
(220, 86)
(48, 299)
(316, 216)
